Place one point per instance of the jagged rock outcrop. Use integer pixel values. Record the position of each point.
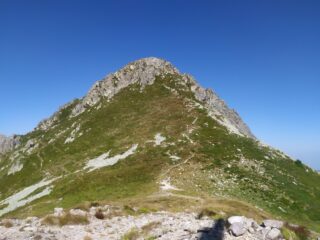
(216, 106)
(8, 143)
(51, 121)
(144, 72)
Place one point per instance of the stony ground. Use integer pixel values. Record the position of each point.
(104, 224)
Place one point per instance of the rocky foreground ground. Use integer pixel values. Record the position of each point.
(105, 223)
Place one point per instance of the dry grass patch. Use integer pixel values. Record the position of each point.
(206, 212)
(85, 206)
(133, 234)
(296, 232)
(204, 205)
(7, 223)
(149, 227)
(136, 233)
(66, 219)
(87, 238)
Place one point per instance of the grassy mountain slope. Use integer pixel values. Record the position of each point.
(199, 157)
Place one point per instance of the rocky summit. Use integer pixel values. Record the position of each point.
(150, 154)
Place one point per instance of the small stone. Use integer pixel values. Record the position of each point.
(259, 228)
(237, 229)
(248, 222)
(273, 234)
(264, 231)
(58, 212)
(235, 219)
(255, 225)
(78, 212)
(30, 229)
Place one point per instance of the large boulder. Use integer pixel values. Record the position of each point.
(237, 229)
(273, 223)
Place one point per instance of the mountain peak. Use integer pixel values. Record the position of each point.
(145, 69)
(144, 72)
(151, 61)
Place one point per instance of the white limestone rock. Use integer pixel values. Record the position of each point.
(273, 223)
(237, 229)
(235, 219)
(58, 212)
(273, 234)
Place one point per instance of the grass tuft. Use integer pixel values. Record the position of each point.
(66, 219)
(133, 234)
(206, 213)
(7, 223)
(149, 227)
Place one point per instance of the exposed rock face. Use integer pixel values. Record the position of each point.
(51, 121)
(144, 72)
(8, 143)
(214, 104)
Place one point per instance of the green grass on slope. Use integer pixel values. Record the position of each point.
(258, 175)
(132, 117)
(213, 161)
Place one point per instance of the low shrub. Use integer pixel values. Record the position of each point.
(7, 223)
(300, 232)
(99, 214)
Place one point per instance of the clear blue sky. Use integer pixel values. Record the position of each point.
(262, 57)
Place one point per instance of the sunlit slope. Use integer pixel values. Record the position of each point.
(147, 139)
